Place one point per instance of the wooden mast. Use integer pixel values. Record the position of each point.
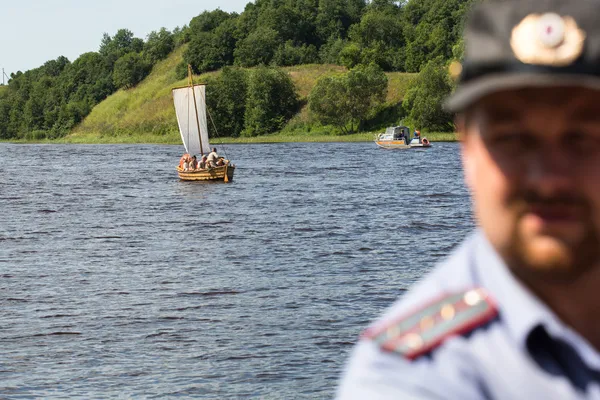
(191, 85)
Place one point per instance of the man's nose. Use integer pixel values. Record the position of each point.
(551, 170)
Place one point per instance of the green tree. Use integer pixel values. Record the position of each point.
(158, 45)
(181, 35)
(327, 102)
(258, 48)
(347, 100)
(290, 21)
(226, 101)
(113, 48)
(424, 98)
(272, 100)
(378, 38)
(431, 29)
(212, 50)
(5, 107)
(225, 40)
(351, 55)
(334, 17)
(288, 54)
(208, 21)
(379, 26)
(329, 53)
(56, 67)
(88, 78)
(248, 20)
(130, 70)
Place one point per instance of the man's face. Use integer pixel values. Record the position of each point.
(532, 161)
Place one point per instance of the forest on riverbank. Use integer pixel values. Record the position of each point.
(296, 67)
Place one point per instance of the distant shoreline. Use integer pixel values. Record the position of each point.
(266, 139)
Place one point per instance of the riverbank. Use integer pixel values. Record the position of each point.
(174, 139)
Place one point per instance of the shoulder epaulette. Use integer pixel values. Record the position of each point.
(426, 328)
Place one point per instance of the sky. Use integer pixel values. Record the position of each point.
(35, 31)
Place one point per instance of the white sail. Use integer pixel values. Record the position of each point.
(190, 117)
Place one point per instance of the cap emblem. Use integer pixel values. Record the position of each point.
(547, 39)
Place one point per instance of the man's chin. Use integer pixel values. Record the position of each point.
(549, 254)
(551, 258)
(550, 245)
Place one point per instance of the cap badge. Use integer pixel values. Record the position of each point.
(547, 39)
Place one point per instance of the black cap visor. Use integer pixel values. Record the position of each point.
(470, 92)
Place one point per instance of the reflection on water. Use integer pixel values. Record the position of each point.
(117, 279)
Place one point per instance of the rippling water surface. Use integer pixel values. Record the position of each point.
(118, 280)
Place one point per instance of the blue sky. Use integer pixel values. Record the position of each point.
(35, 31)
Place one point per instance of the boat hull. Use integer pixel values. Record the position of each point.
(392, 144)
(420, 145)
(400, 144)
(211, 174)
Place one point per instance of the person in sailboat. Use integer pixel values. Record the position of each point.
(202, 163)
(212, 158)
(194, 163)
(183, 159)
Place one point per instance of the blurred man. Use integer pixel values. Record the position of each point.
(514, 312)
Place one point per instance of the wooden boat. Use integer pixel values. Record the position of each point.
(221, 173)
(396, 137)
(190, 108)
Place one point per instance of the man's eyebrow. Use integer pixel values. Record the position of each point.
(502, 115)
(586, 115)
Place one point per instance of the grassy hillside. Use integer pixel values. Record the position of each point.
(145, 114)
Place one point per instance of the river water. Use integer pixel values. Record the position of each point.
(117, 280)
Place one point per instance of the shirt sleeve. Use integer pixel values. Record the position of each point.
(374, 374)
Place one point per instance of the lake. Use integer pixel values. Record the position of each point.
(118, 280)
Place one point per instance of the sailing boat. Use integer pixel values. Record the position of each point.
(190, 108)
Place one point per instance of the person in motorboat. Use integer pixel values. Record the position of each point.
(417, 138)
(400, 136)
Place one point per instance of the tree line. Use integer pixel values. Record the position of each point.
(395, 35)
(366, 37)
(48, 101)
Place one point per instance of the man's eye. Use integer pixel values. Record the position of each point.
(582, 141)
(513, 140)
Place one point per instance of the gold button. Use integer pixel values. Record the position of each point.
(426, 323)
(472, 297)
(448, 312)
(413, 340)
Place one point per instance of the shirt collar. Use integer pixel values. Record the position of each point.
(519, 308)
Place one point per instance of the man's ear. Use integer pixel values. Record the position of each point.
(460, 126)
(460, 121)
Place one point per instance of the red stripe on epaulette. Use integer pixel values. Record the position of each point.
(468, 326)
(394, 343)
(374, 331)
